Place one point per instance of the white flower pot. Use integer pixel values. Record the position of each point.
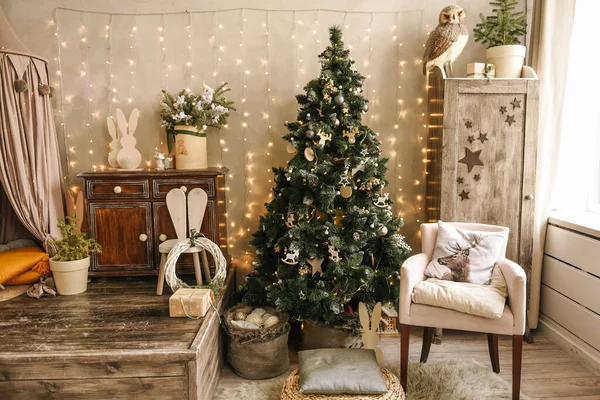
(70, 277)
(190, 150)
(508, 60)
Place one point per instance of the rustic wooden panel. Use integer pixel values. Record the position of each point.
(104, 189)
(435, 133)
(82, 370)
(496, 197)
(561, 242)
(120, 388)
(493, 86)
(582, 322)
(572, 282)
(117, 227)
(160, 187)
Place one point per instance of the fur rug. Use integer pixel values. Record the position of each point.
(448, 380)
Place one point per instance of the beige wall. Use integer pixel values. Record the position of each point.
(86, 75)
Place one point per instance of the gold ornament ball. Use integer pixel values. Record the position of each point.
(239, 316)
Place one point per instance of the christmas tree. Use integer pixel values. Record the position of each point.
(504, 28)
(329, 238)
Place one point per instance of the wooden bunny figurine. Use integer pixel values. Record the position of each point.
(115, 144)
(369, 338)
(129, 157)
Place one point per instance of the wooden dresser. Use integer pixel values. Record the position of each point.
(127, 214)
(481, 154)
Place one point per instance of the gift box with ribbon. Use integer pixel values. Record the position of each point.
(192, 303)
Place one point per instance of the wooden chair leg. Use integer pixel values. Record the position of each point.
(517, 357)
(494, 355)
(427, 339)
(205, 265)
(196, 259)
(404, 342)
(161, 274)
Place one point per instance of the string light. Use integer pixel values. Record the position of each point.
(247, 166)
(267, 26)
(133, 63)
(85, 72)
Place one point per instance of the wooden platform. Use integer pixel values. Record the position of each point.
(116, 341)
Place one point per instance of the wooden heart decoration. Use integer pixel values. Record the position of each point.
(290, 148)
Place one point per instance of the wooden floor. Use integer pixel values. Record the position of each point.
(549, 372)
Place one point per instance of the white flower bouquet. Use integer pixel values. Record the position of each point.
(210, 108)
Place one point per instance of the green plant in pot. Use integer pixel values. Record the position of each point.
(186, 118)
(71, 261)
(502, 34)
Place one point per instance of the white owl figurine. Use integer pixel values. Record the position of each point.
(447, 40)
(129, 157)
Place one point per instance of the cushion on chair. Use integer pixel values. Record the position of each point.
(470, 298)
(462, 255)
(340, 371)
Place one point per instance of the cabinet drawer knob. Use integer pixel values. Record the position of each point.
(183, 189)
(117, 189)
(143, 237)
(162, 237)
(529, 197)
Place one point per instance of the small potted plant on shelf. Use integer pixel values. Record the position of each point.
(186, 118)
(71, 262)
(502, 33)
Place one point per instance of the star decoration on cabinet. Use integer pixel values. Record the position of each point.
(469, 124)
(460, 180)
(516, 103)
(510, 119)
(471, 139)
(464, 195)
(471, 159)
(477, 177)
(482, 137)
(502, 109)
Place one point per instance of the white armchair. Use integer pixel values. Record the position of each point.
(512, 321)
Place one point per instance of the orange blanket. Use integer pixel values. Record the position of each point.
(23, 266)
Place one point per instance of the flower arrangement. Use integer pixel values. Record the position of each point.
(210, 108)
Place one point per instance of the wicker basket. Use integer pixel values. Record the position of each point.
(291, 390)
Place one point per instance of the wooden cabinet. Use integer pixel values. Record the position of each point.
(482, 143)
(127, 213)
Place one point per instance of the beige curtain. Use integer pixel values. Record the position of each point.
(552, 25)
(30, 170)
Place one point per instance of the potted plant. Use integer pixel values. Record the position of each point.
(186, 118)
(501, 33)
(71, 262)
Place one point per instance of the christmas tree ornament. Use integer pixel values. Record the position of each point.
(291, 257)
(381, 201)
(304, 270)
(315, 263)
(309, 154)
(336, 122)
(338, 100)
(307, 115)
(383, 230)
(290, 221)
(350, 135)
(290, 148)
(323, 138)
(365, 107)
(309, 134)
(346, 191)
(334, 254)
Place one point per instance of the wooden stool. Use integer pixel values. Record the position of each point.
(291, 390)
(179, 209)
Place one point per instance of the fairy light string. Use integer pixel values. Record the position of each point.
(61, 112)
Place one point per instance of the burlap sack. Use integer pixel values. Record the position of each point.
(321, 336)
(260, 353)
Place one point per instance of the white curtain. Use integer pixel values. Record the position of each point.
(552, 26)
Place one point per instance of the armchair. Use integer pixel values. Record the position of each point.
(512, 321)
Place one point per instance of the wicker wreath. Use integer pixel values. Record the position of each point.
(196, 240)
(291, 390)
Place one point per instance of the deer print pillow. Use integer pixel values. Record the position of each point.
(461, 255)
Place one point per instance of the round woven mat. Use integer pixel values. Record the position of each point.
(291, 390)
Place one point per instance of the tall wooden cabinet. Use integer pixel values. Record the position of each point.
(482, 144)
(126, 212)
